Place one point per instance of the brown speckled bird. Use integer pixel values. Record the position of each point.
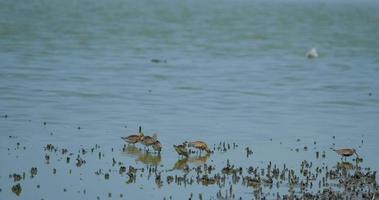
(202, 146)
(148, 140)
(347, 152)
(132, 139)
(157, 146)
(151, 141)
(181, 149)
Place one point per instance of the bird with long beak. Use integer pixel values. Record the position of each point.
(202, 146)
(157, 147)
(148, 140)
(181, 149)
(132, 139)
(346, 152)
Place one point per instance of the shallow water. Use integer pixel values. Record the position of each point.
(235, 71)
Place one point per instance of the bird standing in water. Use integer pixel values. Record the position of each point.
(132, 139)
(346, 152)
(149, 141)
(181, 149)
(202, 146)
(157, 147)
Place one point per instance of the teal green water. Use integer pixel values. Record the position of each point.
(235, 71)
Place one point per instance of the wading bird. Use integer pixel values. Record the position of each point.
(157, 147)
(202, 146)
(181, 149)
(347, 152)
(132, 139)
(148, 140)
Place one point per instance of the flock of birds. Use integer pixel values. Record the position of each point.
(183, 151)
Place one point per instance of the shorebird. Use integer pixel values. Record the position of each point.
(345, 152)
(181, 149)
(148, 140)
(157, 146)
(202, 146)
(132, 139)
(312, 53)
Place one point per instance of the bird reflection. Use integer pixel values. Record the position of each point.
(143, 156)
(182, 164)
(345, 166)
(131, 150)
(199, 160)
(149, 158)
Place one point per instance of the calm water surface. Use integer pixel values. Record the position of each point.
(235, 71)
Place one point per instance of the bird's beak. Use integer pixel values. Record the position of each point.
(357, 154)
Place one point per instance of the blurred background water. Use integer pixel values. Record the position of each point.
(234, 71)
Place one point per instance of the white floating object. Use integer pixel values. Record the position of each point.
(312, 53)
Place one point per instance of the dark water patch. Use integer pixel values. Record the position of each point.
(80, 79)
(189, 88)
(81, 94)
(345, 103)
(293, 79)
(160, 77)
(260, 94)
